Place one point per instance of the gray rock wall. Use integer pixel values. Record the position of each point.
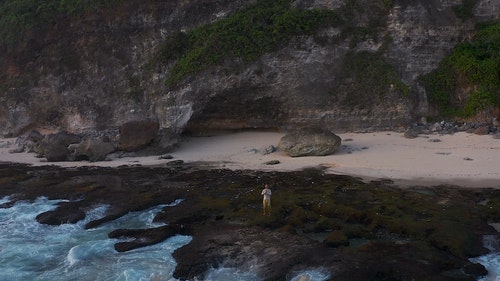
(94, 73)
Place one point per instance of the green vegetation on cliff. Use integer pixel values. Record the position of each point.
(246, 34)
(18, 17)
(367, 78)
(468, 80)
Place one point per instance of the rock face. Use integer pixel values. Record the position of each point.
(71, 77)
(309, 142)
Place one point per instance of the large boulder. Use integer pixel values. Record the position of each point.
(135, 135)
(309, 142)
(54, 147)
(92, 150)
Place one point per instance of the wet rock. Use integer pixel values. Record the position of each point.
(145, 237)
(336, 238)
(245, 248)
(309, 142)
(64, 213)
(222, 212)
(135, 135)
(476, 270)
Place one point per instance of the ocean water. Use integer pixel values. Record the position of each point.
(490, 261)
(32, 251)
(36, 252)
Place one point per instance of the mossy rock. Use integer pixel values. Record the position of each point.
(336, 239)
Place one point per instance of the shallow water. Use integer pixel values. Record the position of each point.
(32, 251)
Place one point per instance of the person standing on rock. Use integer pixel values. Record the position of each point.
(266, 201)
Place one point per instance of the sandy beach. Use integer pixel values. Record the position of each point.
(462, 159)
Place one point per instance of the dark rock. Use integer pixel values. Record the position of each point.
(64, 213)
(424, 241)
(336, 238)
(145, 237)
(476, 270)
(410, 134)
(483, 130)
(92, 150)
(272, 162)
(166, 156)
(309, 142)
(35, 136)
(237, 247)
(54, 147)
(434, 140)
(175, 163)
(135, 135)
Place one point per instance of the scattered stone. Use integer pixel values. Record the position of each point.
(4, 144)
(484, 130)
(348, 140)
(272, 162)
(309, 142)
(410, 134)
(175, 163)
(443, 153)
(468, 159)
(166, 156)
(434, 140)
(35, 136)
(267, 150)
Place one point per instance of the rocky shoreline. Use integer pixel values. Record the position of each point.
(355, 230)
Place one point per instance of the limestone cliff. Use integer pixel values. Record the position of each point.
(101, 68)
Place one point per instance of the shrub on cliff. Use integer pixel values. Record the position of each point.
(468, 80)
(246, 34)
(18, 17)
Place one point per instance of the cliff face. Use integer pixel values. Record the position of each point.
(101, 69)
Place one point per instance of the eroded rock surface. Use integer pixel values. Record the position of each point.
(309, 142)
(415, 233)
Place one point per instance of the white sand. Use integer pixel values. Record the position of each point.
(461, 159)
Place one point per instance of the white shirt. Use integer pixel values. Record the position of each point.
(267, 194)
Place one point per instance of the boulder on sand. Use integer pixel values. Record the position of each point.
(135, 135)
(92, 150)
(54, 147)
(309, 142)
